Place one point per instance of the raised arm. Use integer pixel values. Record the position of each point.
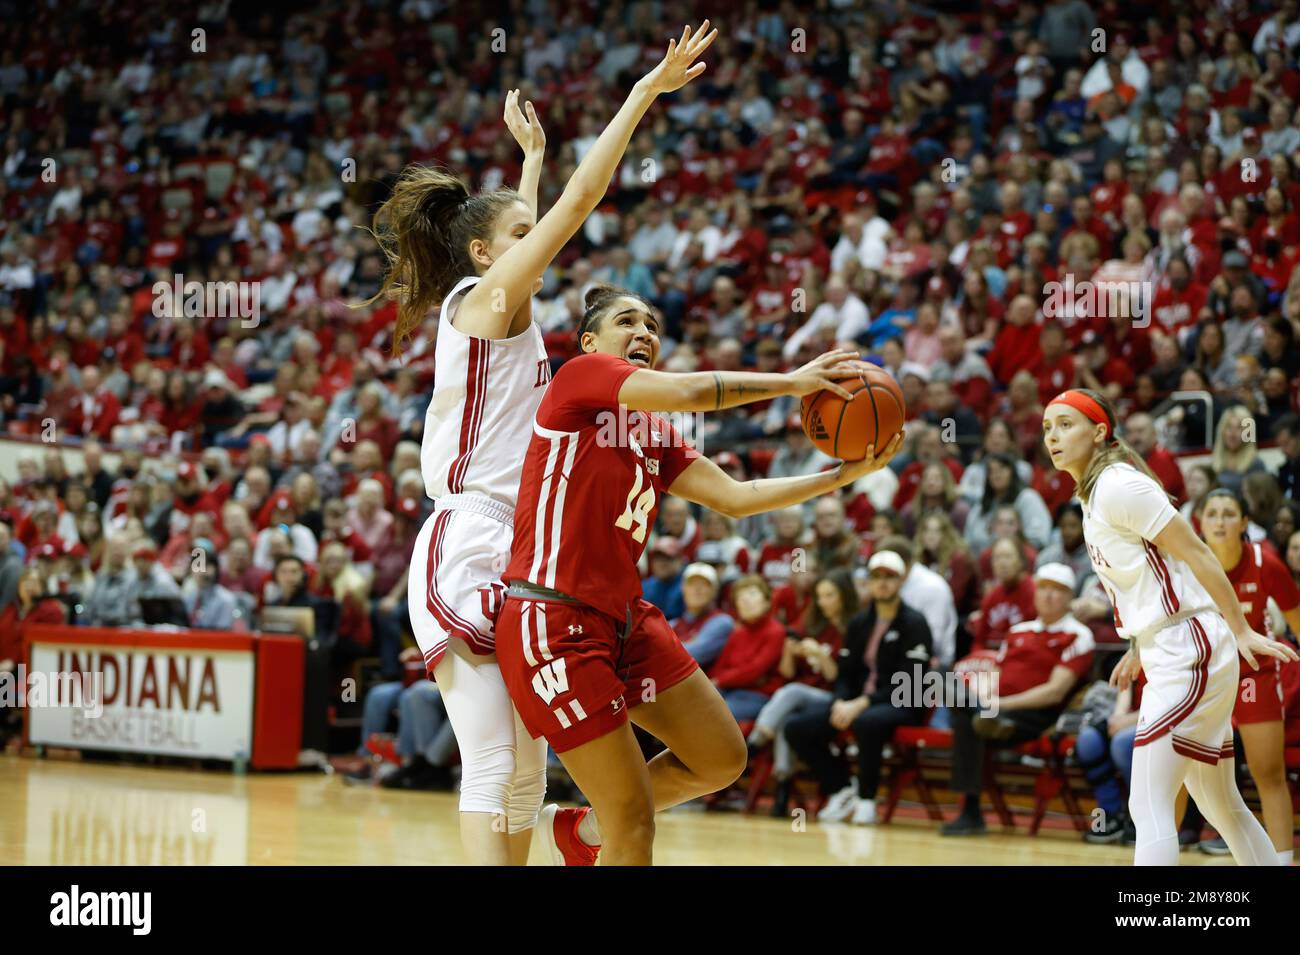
(646, 390)
(489, 307)
(703, 482)
(531, 138)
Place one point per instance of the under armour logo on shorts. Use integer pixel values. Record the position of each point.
(617, 704)
(574, 628)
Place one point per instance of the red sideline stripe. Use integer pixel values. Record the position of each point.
(441, 612)
(1194, 692)
(472, 416)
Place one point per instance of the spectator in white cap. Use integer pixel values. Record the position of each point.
(702, 628)
(1038, 667)
(930, 594)
(886, 648)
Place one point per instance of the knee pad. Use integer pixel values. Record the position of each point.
(526, 798)
(487, 778)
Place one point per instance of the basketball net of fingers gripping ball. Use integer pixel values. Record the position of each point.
(844, 429)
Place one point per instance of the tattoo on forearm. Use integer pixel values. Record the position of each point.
(717, 391)
(740, 389)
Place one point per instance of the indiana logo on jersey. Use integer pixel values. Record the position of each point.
(543, 372)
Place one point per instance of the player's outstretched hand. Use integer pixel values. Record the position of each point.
(675, 70)
(850, 471)
(527, 130)
(1255, 644)
(1126, 671)
(821, 374)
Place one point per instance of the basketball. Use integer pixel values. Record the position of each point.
(844, 429)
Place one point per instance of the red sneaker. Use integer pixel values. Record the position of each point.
(559, 830)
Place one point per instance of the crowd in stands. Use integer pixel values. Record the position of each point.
(908, 181)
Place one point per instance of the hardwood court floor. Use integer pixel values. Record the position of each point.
(84, 813)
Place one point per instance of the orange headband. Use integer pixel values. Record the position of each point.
(1085, 405)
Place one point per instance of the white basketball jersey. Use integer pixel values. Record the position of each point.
(480, 419)
(1145, 585)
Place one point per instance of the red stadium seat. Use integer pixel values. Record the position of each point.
(906, 770)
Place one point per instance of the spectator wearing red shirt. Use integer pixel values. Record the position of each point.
(928, 448)
(32, 607)
(776, 554)
(1016, 346)
(747, 672)
(190, 498)
(1038, 667)
(336, 579)
(372, 423)
(790, 602)
(40, 527)
(1179, 299)
(238, 573)
(969, 373)
(1055, 369)
(1140, 433)
(391, 561)
(1008, 602)
(95, 410)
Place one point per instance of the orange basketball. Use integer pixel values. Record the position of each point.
(844, 429)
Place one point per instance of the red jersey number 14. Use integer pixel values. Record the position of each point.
(638, 508)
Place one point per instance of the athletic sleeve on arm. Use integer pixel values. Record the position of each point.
(583, 387)
(1126, 498)
(1278, 583)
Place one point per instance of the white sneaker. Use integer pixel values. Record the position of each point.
(840, 806)
(864, 813)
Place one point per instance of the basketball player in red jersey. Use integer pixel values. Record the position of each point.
(480, 258)
(1257, 574)
(580, 651)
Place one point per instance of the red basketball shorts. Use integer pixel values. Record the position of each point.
(1259, 693)
(570, 674)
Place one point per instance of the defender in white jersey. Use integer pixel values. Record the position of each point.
(479, 422)
(482, 258)
(1184, 625)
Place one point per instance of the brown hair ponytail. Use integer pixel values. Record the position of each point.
(424, 230)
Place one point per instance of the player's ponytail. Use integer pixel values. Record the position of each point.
(424, 230)
(1115, 450)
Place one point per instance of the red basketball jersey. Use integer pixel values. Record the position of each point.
(1258, 576)
(591, 486)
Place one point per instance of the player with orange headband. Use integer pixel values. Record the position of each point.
(1175, 606)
